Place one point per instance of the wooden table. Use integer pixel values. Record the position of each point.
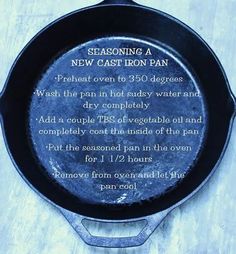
(206, 224)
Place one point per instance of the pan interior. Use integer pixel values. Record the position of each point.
(117, 120)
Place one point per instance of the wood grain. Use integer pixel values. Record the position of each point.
(206, 224)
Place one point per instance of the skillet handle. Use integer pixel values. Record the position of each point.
(77, 222)
(109, 2)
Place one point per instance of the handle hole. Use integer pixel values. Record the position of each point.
(116, 229)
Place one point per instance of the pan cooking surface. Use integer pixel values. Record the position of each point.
(117, 120)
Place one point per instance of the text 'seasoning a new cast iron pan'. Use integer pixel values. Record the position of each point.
(116, 113)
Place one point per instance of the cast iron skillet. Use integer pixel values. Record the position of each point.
(121, 23)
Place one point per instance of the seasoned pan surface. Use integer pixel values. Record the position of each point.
(133, 134)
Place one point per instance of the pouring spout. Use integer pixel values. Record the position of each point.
(110, 2)
(2, 102)
(232, 104)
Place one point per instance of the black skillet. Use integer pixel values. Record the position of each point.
(164, 179)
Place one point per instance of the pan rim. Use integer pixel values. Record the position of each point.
(112, 6)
